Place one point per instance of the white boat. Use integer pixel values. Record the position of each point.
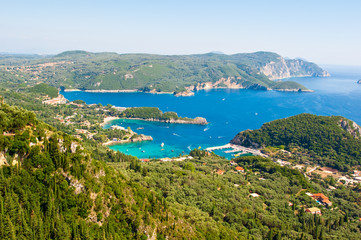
(162, 145)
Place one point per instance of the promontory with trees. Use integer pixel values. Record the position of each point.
(154, 114)
(329, 141)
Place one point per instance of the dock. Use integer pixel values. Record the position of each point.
(237, 148)
(210, 149)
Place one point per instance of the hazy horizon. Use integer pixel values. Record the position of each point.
(324, 32)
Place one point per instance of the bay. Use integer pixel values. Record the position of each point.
(230, 111)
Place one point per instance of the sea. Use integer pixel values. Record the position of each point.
(229, 111)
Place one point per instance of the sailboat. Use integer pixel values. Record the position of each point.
(162, 145)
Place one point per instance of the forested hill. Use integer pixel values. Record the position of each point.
(165, 73)
(50, 188)
(331, 141)
(53, 186)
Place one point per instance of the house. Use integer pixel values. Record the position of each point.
(220, 172)
(145, 160)
(254, 195)
(240, 169)
(313, 210)
(233, 163)
(321, 198)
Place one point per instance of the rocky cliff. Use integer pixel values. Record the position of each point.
(281, 68)
(351, 127)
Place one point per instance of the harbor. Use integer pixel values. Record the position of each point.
(236, 148)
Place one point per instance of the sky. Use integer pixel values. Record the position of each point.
(325, 32)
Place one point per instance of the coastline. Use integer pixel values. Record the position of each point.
(111, 91)
(138, 138)
(108, 120)
(184, 93)
(196, 121)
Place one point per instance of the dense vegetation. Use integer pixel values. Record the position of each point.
(325, 139)
(221, 206)
(63, 189)
(50, 188)
(45, 89)
(85, 70)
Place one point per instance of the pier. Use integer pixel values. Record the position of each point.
(237, 148)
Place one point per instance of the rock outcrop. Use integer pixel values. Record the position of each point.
(282, 68)
(351, 127)
(3, 160)
(184, 94)
(140, 138)
(230, 82)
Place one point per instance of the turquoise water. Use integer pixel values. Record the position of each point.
(230, 111)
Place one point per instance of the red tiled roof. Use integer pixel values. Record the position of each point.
(220, 172)
(319, 195)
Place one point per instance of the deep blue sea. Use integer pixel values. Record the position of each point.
(230, 111)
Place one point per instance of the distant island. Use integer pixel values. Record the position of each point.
(155, 115)
(180, 75)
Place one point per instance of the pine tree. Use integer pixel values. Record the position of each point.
(9, 230)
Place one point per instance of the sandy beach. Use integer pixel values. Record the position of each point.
(72, 90)
(108, 119)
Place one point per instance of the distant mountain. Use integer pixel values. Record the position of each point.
(166, 73)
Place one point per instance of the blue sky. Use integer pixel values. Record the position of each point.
(325, 32)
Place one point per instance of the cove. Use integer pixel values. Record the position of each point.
(230, 111)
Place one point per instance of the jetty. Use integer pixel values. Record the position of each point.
(237, 148)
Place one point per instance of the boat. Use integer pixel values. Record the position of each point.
(140, 128)
(162, 145)
(143, 151)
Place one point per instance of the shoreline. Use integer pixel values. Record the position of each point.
(114, 91)
(185, 93)
(180, 121)
(139, 138)
(107, 120)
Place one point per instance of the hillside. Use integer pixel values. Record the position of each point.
(330, 141)
(161, 73)
(51, 188)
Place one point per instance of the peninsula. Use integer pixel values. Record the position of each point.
(153, 114)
